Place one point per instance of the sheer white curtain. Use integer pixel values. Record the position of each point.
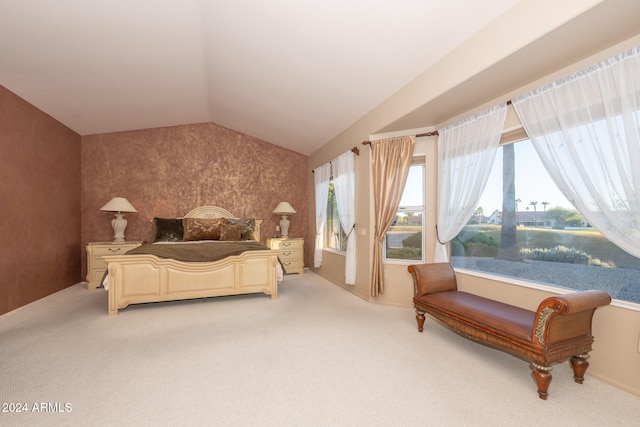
(344, 181)
(321, 176)
(466, 151)
(586, 130)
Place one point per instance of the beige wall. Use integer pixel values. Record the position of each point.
(40, 193)
(168, 171)
(615, 357)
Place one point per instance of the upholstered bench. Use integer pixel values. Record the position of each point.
(558, 330)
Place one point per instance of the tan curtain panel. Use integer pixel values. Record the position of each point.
(391, 160)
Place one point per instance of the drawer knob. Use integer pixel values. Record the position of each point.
(114, 249)
(286, 253)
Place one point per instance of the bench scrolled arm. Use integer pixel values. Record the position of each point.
(430, 278)
(576, 304)
(581, 301)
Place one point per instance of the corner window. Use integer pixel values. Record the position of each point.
(404, 240)
(528, 230)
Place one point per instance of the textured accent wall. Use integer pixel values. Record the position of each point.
(40, 193)
(166, 172)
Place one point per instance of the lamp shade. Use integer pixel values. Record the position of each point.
(118, 204)
(284, 208)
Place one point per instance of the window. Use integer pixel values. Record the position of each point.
(404, 239)
(529, 231)
(336, 237)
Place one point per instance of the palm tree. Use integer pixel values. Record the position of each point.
(535, 211)
(544, 205)
(508, 248)
(479, 213)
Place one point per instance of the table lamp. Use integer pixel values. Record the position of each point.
(118, 205)
(284, 209)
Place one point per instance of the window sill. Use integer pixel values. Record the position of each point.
(402, 261)
(334, 251)
(539, 286)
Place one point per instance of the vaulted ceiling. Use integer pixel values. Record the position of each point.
(293, 73)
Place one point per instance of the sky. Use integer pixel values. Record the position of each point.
(410, 197)
(533, 183)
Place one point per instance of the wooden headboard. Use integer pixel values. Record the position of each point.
(218, 212)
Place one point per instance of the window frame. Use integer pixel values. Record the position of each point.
(417, 160)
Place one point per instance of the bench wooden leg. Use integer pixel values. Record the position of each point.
(579, 363)
(420, 319)
(542, 375)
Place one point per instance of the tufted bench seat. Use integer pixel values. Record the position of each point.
(559, 329)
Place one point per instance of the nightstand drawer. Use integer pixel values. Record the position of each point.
(96, 265)
(289, 245)
(101, 250)
(293, 266)
(290, 253)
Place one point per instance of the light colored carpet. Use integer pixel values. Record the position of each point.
(317, 356)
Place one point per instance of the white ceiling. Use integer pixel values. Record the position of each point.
(291, 72)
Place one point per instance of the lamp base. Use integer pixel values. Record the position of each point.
(119, 224)
(284, 226)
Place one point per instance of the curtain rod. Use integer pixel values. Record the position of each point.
(354, 150)
(420, 135)
(434, 133)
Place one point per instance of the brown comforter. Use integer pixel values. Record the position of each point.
(197, 252)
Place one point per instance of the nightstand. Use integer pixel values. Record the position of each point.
(291, 253)
(96, 266)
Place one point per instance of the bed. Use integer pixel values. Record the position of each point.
(135, 278)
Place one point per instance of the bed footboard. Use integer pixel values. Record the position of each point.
(135, 279)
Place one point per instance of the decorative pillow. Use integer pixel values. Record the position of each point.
(167, 229)
(202, 228)
(230, 232)
(248, 227)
